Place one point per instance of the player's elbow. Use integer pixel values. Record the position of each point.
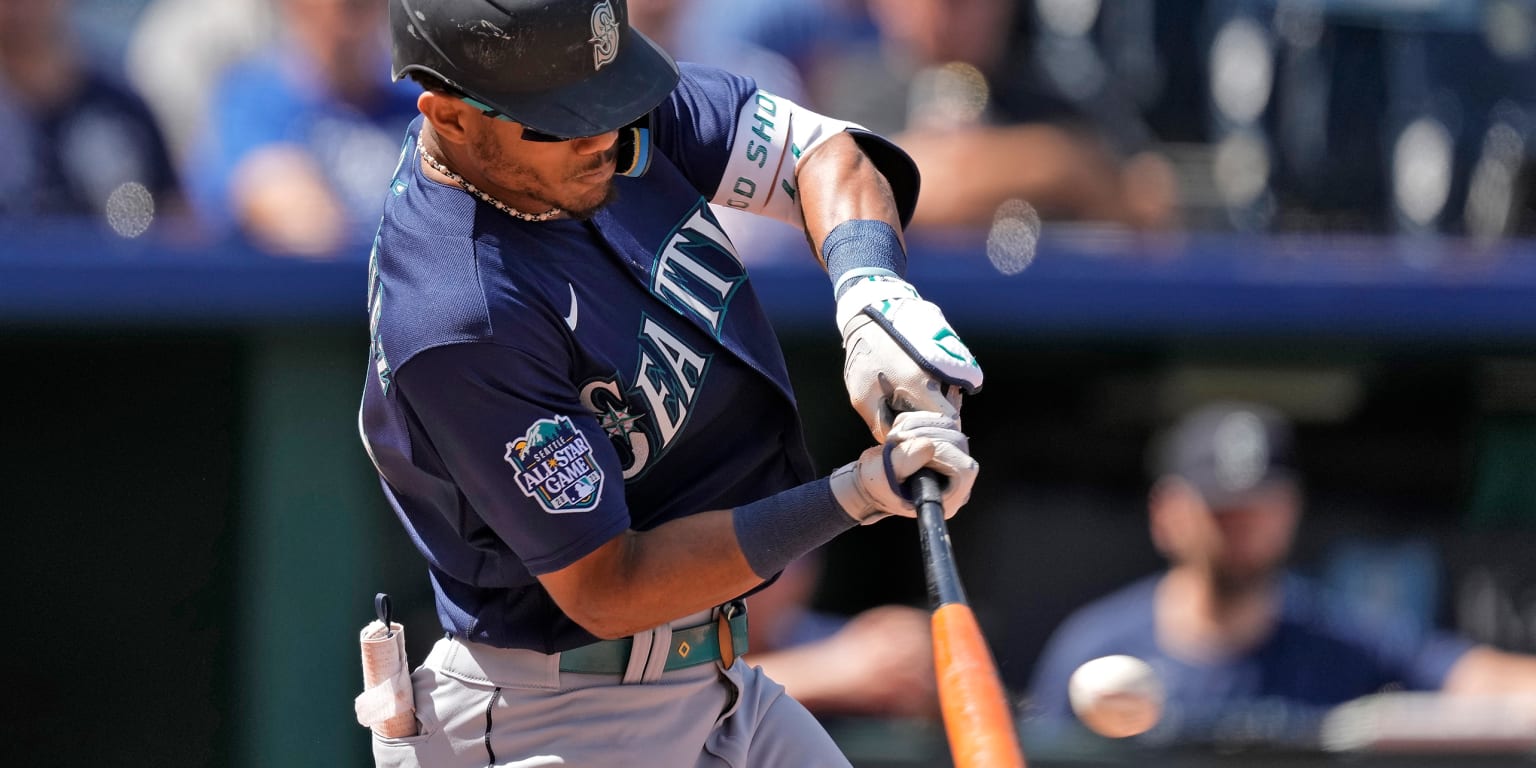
(602, 620)
(594, 591)
(612, 631)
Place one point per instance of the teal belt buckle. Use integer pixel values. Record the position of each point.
(701, 644)
(691, 646)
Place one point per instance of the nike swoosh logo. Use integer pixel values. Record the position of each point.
(570, 320)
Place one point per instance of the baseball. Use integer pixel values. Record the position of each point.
(1116, 696)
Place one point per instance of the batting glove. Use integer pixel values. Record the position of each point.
(873, 487)
(901, 354)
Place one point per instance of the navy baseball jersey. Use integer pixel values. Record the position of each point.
(535, 389)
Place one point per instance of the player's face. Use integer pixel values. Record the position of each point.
(1240, 543)
(1255, 535)
(534, 176)
(335, 28)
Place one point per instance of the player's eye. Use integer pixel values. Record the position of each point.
(529, 134)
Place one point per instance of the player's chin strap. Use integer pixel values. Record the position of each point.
(634, 155)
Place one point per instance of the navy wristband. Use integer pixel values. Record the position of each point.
(865, 246)
(778, 530)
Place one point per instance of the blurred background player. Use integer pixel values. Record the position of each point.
(79, 142)
(1246, 648)
(303, 135)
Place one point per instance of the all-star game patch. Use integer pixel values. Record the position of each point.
(555, 465)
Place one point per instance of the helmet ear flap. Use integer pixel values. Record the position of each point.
(634, 148)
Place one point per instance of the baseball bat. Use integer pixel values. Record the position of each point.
(977, 718)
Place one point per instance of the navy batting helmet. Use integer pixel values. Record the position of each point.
(567, 68)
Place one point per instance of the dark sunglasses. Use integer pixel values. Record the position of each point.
(529, 134)
(634, 143)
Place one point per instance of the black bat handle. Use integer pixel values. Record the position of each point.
(926, 488)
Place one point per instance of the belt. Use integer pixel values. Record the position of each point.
(723, 639)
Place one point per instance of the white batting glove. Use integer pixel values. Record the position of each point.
(873, 487)
(901, 354)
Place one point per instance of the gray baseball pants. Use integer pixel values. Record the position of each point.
(483, 706)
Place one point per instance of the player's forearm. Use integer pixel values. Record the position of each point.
(643, 579)
(879, 663)
(640, 580)
(840, 183)
(809, 674)
(1063, 175)
(1488, 671)
(282, 202)
(821, 682)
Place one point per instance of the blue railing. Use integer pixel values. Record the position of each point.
(1082, 281)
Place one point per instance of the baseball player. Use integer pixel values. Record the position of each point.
(578, 408)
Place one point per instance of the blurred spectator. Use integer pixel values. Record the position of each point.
(984, 130)
(303, 137)
(80, 143)
(665, 21)
(948, 82)
(1247, 650)
(180, 48)
(804, 32)
(946, 79)
(878, 663)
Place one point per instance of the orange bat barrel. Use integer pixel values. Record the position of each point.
(977, 718)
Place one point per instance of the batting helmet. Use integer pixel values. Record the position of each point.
(567, 68)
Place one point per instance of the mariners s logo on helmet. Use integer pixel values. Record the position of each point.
(605, 35)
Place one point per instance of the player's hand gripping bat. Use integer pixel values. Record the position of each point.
(977, 718)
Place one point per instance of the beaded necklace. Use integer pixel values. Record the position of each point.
(487, 199)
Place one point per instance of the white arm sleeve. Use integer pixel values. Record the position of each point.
(772, 135)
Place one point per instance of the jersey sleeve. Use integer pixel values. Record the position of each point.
(1419, 659)
(1434, 658)
(1402, 651)
(742, 146)
(509, 429)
